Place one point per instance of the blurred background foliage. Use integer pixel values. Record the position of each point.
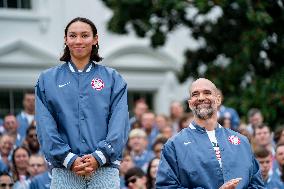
(241, 45)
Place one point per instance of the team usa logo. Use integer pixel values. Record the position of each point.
(234, 140)
(97, 84)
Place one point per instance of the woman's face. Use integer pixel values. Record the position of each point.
(154, 168)
(21, 158)
(80, 40)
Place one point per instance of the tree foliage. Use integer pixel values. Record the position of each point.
(243, 50)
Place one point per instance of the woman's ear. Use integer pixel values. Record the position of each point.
(96, 40)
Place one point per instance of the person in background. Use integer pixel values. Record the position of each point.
(11, 127)
(125, 165)
(139, 109)
(135, 178)
(82, 113)
(138, 148)
(185, 120)
(149, 126)
(229, 113)
(37, 165)
(152, 173)
(20, 159)
(27, 115)
(279, 135)
(158, 145)
(31, 141)
(162, 121)
(6, 148)
(262, 136)
(207, 155)
(6, 181)
(264, 158)
(176, 113)
(255, 118)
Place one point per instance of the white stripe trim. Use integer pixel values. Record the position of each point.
(116, 162)
(89, 68)
(101, 155)
(71, 67)
(68, 158)
(191, 126)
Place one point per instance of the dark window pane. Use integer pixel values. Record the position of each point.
(133, 96)
(4, 103)
(12, 3)
(26, 4)
(1, 3)
(18, 101)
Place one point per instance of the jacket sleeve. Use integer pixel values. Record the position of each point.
(167, 175)
(256, 181)
(110, 149)
(53, 147)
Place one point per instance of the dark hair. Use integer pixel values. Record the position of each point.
(15, 171)
(261, 126)
(150, 179)
(261, 152)
(95, 49)
(32, 127)
(278, 133)
(135, 171)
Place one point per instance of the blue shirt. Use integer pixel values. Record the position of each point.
(188, 160)
(80, 113)
(41, 181)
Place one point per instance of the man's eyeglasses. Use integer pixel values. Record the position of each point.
(5, 185)
(131, 180)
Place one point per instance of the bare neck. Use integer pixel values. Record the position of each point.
(80, 63)
(208, 124)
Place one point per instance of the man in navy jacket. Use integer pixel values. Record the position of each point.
(206, 155)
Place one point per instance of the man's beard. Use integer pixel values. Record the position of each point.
(203, 112)
(34, 147)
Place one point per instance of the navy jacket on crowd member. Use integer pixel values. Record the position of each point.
(41, 181)
(3, 167)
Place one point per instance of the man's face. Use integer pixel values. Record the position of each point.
(126, 164)
(11, 124)
(140, 109)
(262, 136)
(280, 155)
(36, 165)
(29, 103)
(138, 144)
(256, 119)
(203, 99)
(6, 145)
(135, 182)
(265, 165)
(32, 140)
(6, 182)
(148, 120)
(176, 110)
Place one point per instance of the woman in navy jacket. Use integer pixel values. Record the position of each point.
(82, 114)
(205, 155)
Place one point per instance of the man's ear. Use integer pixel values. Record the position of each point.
(189, 104)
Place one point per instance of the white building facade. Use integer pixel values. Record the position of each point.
(31, 40)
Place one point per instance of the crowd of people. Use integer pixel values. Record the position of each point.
(23, 165)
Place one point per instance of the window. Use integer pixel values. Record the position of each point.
(15, 4)
(133, 96)
(11, 101)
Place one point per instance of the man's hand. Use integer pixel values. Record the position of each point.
(79, 166)
(231, 184)
(91, 162)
